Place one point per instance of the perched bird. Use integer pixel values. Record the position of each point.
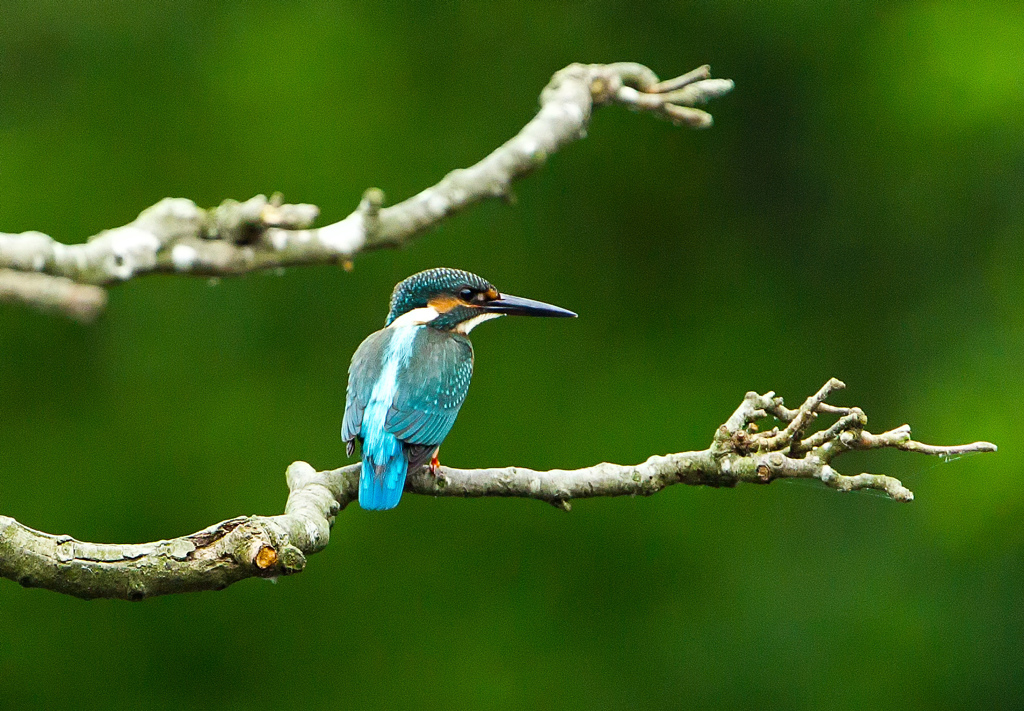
(407, 381)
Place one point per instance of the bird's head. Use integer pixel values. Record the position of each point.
(454, 300)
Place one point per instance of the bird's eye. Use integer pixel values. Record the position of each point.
(466, 294)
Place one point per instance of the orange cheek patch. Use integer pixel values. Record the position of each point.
(444, 304)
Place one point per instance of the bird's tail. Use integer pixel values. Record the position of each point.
(383, 475)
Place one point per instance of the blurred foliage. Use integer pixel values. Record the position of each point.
(856, 212)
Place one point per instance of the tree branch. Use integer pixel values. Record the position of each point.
(175, 236)
(258, 546)
(82, 302)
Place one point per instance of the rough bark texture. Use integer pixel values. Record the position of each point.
(259, 546)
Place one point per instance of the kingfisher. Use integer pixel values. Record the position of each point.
(408, 380)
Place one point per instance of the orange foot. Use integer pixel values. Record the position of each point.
(435, 465)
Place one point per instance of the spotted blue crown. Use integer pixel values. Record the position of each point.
(417, 291)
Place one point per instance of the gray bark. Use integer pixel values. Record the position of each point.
(271, 546)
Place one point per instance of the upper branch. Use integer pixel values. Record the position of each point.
(259, 546)
(176, 236)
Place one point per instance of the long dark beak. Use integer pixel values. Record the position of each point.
(518, 306)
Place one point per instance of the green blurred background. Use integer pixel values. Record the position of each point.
(855, 212)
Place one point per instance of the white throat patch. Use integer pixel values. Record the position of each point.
(467, 326)
(416, 317)
(426, 314)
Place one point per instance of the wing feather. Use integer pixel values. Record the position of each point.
(434, 386)
(363, 373)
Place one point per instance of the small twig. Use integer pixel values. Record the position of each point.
(674, 99)
(803, 416)
(754, 407)
(851, 419)
(891, 486)
(899, 438)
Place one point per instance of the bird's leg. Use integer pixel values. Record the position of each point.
(435, 465)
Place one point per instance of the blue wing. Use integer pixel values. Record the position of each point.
(433, 388)
(405, 389)
(367, 401)
(363, 374)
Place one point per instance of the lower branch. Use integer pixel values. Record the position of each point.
(212, 559)
(259, 546)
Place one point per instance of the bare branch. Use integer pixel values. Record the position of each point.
(258, 546)
(82, 302)
(672, 99)
(175, 236)
(212, 559)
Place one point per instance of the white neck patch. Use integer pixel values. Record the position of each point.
(426, 314)
(467, 326)
(416, 317)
